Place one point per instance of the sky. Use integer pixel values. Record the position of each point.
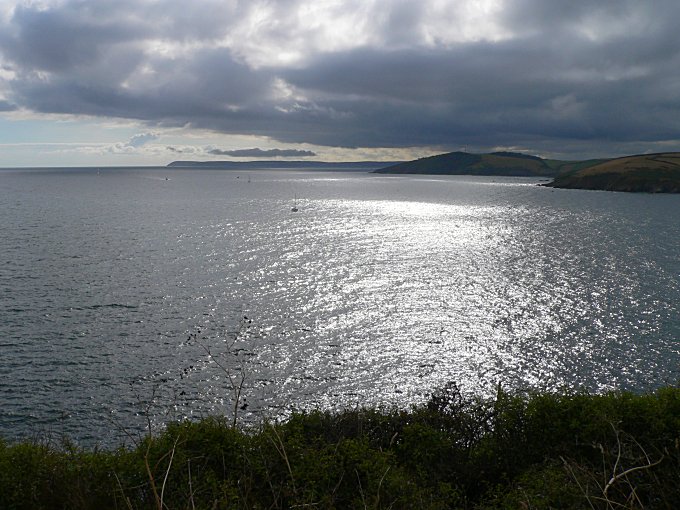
(146, 82)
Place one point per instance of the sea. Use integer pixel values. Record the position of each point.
(133, 297)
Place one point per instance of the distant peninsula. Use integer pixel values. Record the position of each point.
(649, 173)
(284, 165)
(464, 163)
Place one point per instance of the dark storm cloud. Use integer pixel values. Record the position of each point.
(605, 15)
(61, 40)
(211, 85)
(182, 150)
(495, 92)
(79, 33)
(262, 153)
(6, 106)
(591, 74)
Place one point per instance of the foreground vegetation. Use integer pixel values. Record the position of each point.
(610, 451)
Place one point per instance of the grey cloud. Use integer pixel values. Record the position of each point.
(63, 39)
(6, 106)
(211, 85)
(549, 17)
(79, 33)
(262, 153)
(181, 150)
(494, 92)
(579, 75)
(524, 89)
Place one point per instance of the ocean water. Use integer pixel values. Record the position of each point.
(137, 296)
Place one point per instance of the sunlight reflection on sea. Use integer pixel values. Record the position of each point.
(378, 291)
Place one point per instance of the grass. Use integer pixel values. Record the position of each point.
(548, 450)
(653, 173)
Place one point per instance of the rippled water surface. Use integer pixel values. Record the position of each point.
(123, 294)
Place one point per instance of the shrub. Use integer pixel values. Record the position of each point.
(547, 450)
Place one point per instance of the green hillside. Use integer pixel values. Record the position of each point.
(463, 163)
(651, 173)
(569, 167)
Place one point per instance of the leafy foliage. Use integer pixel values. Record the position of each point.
(617, 450)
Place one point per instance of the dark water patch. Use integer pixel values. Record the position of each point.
(113, 305)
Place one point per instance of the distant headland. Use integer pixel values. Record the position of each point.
(464, 163)
(649, 173)
(292, 165)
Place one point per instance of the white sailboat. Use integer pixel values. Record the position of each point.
(294, 208)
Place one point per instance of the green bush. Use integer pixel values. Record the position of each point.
(547, 450)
